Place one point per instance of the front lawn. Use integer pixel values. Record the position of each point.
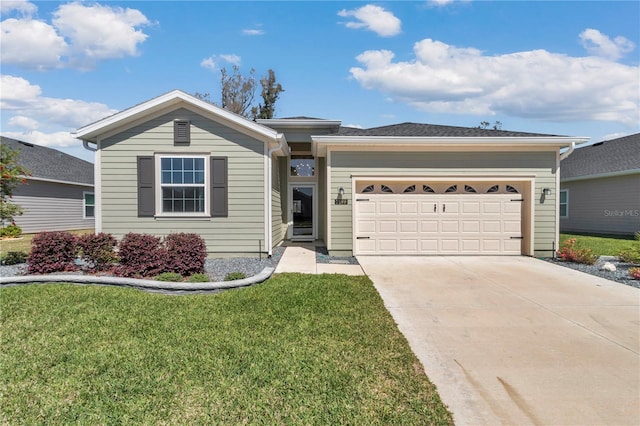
(601, 246)
(298, 349)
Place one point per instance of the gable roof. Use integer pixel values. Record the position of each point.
(603, 158)
(430, 130)
(170, 101)
(51, 164)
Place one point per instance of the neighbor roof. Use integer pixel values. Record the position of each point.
(612, 156)
(51, 164)
(430, 130)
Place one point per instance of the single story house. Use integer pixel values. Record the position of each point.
(59, 195)
(600, 188)
(179, 164)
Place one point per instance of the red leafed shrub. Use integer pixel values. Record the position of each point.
(569, 253)
(52, 252)
(186, 253)
(98, 250)
(635, 273)
(141, 255)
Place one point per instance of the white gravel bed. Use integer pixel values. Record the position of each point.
(620, 275)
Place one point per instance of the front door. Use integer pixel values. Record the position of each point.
(302, 217)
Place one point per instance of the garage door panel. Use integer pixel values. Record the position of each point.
(449, 226)
(408, 245)
(387, 245)
(387, 226)
(388, 207)
(408, 207)
(408, 226)
(470, 226)
(460, 224)
(471, 207)
(368, 226)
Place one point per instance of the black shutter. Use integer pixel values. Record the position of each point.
(219, 187)
(146, 190)
(181, 132)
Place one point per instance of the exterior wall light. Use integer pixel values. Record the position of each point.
(546, 191)
(340, 200)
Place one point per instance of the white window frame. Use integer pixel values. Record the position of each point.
(159, 186)
(85, 205)
(566, 204)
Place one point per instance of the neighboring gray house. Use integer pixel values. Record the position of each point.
(179, 164)
(58, 196)
(600, 188)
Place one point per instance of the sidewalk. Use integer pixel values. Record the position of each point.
(301, 257)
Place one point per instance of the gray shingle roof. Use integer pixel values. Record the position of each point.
(615, 155)
(48, 163)
(430, 130)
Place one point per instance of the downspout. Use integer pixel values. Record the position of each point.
(269, 215)
(85, 144)
(568, 151)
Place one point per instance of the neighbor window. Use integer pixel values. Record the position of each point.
(89, 205)
(183, 184)
(564, 203)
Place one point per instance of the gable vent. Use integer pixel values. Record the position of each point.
(181, 132)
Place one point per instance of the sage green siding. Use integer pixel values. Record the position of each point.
(244, 228)
(277, 197)
(541, 164)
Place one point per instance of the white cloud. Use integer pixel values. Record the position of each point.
(252, 32)
(78, 36)
(355, 126)
(212, 62)
(599, 44)
(22, 6)
(373, 18)
(31, 44)
(532, 84)
(23, 122)
(54, 140)
(27, 110)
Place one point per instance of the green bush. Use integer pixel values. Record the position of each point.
(199, 278)
(633, 254)
(13, 258)
(10, 231)
(232, 276)
(168, 276)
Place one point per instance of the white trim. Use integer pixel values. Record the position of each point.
(298, 122)
(314, 212)
(602, 175)
(84, 205)
(329, 205)
(319, 144)
(266, 180)
(158, 185)
(97, 189)
(559, 158)
(64, 182)
(532, 217)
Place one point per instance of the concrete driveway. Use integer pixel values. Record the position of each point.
(516, 340)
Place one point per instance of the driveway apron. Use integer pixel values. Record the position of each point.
(516, 340)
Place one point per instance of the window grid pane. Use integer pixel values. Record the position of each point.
(182, 180)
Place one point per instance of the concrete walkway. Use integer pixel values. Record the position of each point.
(301, 257)
(516, 340)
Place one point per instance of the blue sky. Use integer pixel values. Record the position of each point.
(569, 68)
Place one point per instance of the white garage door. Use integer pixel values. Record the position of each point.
(438, 224)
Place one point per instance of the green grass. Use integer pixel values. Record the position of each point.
(298, 349)
(24, 242)
(601, 245)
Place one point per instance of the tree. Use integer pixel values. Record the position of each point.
(485, 125)
(270, 93)
(12, 174)
(238, 92)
